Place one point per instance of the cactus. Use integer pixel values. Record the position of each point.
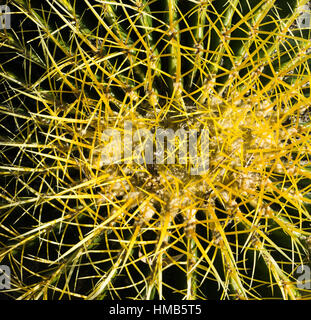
(76, 226)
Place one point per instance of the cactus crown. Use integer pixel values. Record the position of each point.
(74, 226)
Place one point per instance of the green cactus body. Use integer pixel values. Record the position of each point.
(73, 226)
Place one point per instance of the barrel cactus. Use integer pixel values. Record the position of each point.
(76, 223)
